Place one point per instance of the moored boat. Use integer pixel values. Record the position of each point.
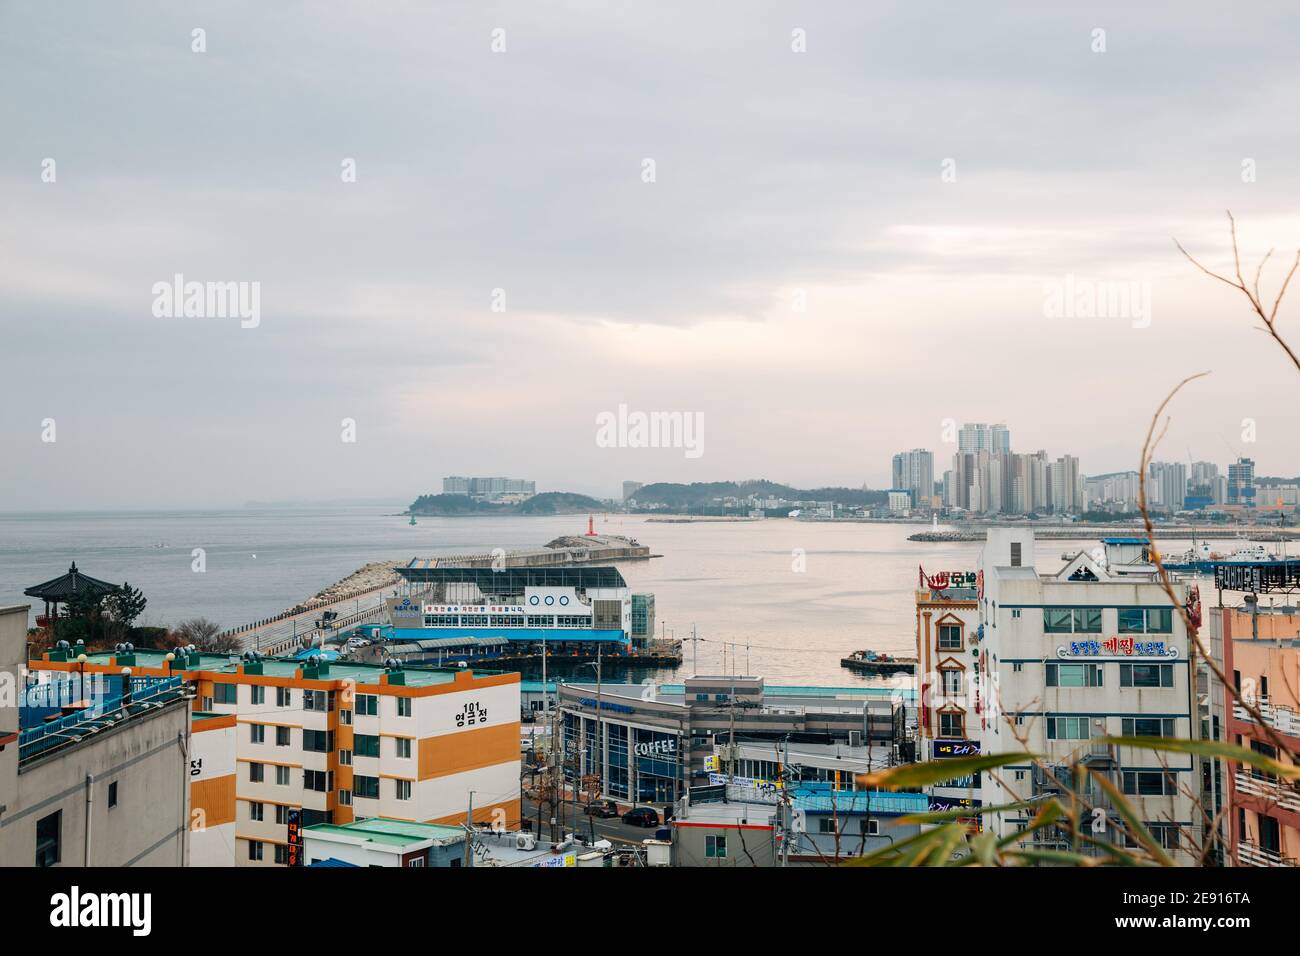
(872, 662)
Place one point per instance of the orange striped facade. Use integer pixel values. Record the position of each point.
(446, 760)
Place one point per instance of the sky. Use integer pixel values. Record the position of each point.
(821, 230)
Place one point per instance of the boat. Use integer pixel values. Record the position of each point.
(872, 662)
(1200, 559)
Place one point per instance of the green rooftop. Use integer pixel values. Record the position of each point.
(391, 832)
(414, 675)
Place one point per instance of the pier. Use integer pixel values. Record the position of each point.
(359, 598)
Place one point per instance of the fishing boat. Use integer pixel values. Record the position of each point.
(873, 662)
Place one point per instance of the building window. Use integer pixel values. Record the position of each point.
(951, 682)
(281, 854)
(402, 789)
(255, 850)
(318, 741)
(403, 747)
(1015, 613)
(1146, 675)
(315, 700)
(282, 697)
(282, 776)
(1072, 620)
(281, 814)
(367, 705)
(1136, 620)
(828, 825)
(256, 811)
(1148, 783)
(403, 707)
(224, 693)
(1017, 667)
(1015, 554)
(259, 694)
(949, 637)
(952, 724)
(367, 787)
(1074, 675)
(256, 773)
(256, 734)
(282, 736)
(112, 795)
(345, 717)
(345, 798)
(871, 827)
(365, 745)
(317, 780)
(49, 837)
(1067, 728)
(345, 758)
(715, 847)
(1148, 726)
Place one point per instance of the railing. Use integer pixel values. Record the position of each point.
(1288, 798)
(103, 713)
(1251, 854)
(1282, 719)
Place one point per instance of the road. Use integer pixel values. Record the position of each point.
(608, 828)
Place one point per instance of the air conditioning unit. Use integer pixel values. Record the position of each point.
(525, 841)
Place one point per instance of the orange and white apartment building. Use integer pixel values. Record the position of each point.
(281, 744)
(1260, 650)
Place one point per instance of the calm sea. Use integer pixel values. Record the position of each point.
(799, 594)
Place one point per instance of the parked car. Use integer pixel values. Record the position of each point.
(602, 808)
(642, 817)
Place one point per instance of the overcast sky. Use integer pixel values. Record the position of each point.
(920, 177)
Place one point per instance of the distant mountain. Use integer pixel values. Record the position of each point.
(547, 503)
(705, 493)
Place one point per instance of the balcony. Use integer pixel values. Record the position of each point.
(1262, 788)
(1252, 855)
(1282, 719)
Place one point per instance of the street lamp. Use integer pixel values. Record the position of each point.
(81, 660)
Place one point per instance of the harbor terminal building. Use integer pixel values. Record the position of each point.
(1051, 664)
(280, 744)
(470, 613)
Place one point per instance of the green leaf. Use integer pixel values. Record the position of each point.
(945, 816)
(1210, 748)
(938, 771)
(900, 853)
(1136, 826)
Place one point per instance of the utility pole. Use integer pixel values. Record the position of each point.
(695, 651)
(469, 832)
(731, 738)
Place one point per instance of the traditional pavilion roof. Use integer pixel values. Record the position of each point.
(66, 585)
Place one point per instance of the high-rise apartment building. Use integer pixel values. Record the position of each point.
(913, 472)
(1241, 483)
(1167, 485)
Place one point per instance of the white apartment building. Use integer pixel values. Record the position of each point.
(1052, 663)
